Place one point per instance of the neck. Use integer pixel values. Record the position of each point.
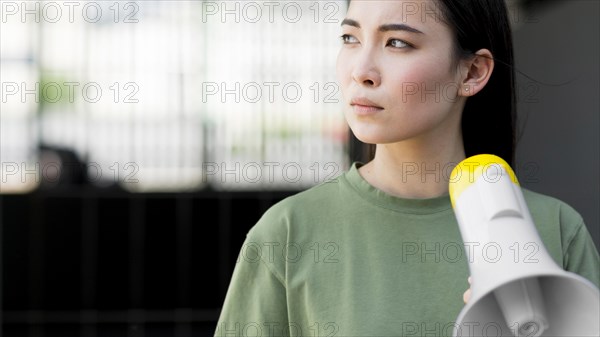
(411, 170)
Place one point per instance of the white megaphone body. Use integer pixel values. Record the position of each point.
(517, 288)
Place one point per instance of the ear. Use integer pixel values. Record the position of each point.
(479, 69)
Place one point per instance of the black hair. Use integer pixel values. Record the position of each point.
(489, 117)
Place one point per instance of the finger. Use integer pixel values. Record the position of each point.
(470, 279)
(467, 295)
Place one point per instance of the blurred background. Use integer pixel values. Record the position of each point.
(140, 141)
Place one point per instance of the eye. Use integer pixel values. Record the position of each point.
(396, 43)
(348, 39)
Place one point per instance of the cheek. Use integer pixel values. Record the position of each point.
(341, 64)
(343, 70)
(424, 84)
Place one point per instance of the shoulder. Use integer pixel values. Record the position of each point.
(278, 219)
(541, 205)
(558, 224)
(290, 223)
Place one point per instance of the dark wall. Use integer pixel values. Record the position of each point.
(80, 261)
(559, 106)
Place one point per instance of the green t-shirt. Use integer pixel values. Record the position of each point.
(346, 259)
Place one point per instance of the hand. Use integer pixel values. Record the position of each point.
(467, 294)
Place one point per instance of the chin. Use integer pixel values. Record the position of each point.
(371, 134)
(371, 138)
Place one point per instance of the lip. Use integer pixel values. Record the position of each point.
(363, 106)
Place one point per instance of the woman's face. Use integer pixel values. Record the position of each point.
(397, 72)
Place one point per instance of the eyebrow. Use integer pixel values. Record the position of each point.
(386, 27)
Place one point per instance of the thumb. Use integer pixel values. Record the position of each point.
(467, 294)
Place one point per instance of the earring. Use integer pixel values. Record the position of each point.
(467, 89)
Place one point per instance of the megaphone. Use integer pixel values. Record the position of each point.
(513, 296)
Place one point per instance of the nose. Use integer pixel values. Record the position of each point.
(366, 72)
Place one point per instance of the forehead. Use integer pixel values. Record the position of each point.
(424, 15)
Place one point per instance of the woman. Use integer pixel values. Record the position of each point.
(377, 251)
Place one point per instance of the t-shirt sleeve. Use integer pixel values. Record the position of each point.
(256, 300)
(581, 256)
(255, 304)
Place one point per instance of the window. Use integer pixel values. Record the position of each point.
(172, 95)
